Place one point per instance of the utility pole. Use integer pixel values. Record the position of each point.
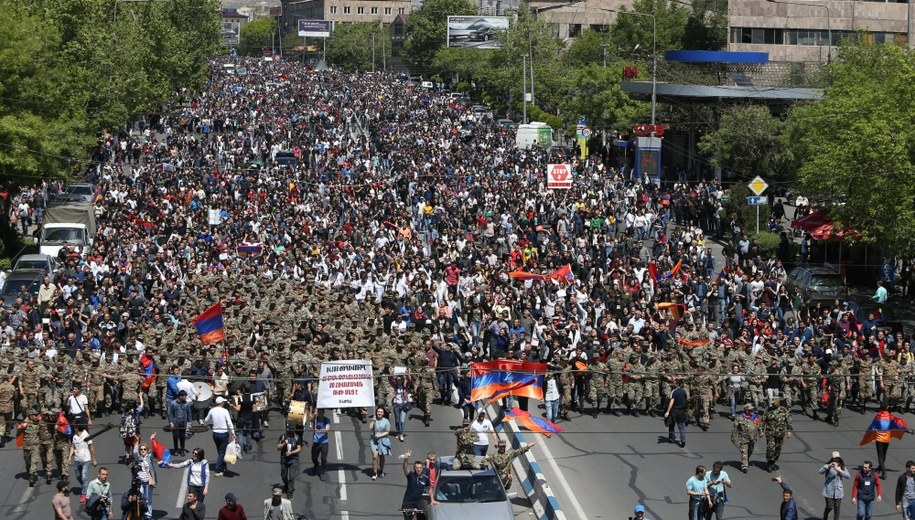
(524, 83)
(530, 49)
(384, 59)
(373, 51)
(604, 52)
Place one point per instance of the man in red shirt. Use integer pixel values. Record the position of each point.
(232, 510)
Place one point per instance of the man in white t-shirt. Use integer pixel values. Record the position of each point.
(484, 429)
(78, 406)
(82, 453)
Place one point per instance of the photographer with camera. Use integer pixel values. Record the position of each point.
(133, 504)
(143, 470)
(98, 505)
(833, 491)
(717, 480)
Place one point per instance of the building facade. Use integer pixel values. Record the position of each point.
(810, 31)
(345, 11)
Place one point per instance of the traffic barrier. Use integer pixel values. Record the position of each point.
(528, 472)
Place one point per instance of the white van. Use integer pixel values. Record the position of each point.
(535, 133)
(427, 85)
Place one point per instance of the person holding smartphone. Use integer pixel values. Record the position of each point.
(833, 491)
(716, 481)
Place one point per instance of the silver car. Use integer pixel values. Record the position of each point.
(469, 494)
(818, 283)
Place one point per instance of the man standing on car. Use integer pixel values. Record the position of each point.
(417, 483)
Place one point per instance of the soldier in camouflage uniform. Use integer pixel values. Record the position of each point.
(426, 387)
(837, 385)
(31, 446)
(46, 443)
(635, 388)
(651, 385)
(597, 390)
(705, 399)
(745, 432)
(566, 381)
(865, 368)
(776, 425)
(464, 457)
(502, 461)
(756, 379)
(907, 369)
(29, 384)
(60, 448)
(793, 388)
(615, 367)
(811, 385)
(7, 405)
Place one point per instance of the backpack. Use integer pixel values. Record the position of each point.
(128, 426)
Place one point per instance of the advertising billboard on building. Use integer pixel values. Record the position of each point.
(315, 28)
(231, 32)
(478, 32)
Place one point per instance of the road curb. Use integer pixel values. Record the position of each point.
(528, 472)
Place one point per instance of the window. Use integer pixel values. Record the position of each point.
(400, 10)
(360, 10)
(374, 10)
(600, 28)
(346, 9)
(757, 36)
(387, 10)
(333, 9)
(574, 30)
(554, 29)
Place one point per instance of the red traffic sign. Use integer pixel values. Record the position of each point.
(559, 176)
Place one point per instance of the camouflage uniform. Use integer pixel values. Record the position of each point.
(757, 378)
(464, 457)
(46, 445)
(7, 395)
(635, 388)
(705, 395)
(597, 391)
(811, 384)
(502, 462)
(616, 367)
(775, 424)
(31, 446)
(651, 385)
(566, 381)
(426, 387)
(61, 451)
(908, 386)
(865, 367)
(793, 388)
(837, 385)
(744, 433)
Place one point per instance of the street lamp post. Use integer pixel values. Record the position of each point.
(828, 21)
(524, 84)
(654, 56)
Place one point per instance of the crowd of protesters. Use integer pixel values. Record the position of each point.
(339, 215)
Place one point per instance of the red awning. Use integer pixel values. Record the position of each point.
(812, 221)
(827, 231)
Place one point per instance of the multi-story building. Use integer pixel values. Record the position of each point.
(808, 31)
(345, 11)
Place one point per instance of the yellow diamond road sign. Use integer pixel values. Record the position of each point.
(758, 186)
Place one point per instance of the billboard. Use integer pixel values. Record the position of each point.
(478, 32)
(230, 32)
(315, 28)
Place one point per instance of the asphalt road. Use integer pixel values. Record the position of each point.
(348, 492)
(601, 468)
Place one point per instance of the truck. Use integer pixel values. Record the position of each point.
(71, 223)
(535, 133)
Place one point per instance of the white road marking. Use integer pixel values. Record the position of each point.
(566, 489)
(344, 515)
(338, 442)
(336, 417)
(26, 498)
(341, 476)
(182, 491)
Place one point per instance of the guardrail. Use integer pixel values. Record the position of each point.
(528, 472)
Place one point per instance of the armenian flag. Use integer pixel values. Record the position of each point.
(149, 370)
(160, 452)
(250, 250)
(883, 428)
(674, 270)
(533, 423)
(210, 326)
(675, 309)
(63, 425)
(500, 377)
(524, 275)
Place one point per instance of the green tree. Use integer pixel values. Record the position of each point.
(706, 26)
(590, 48)
(256, 35)
(595, 93)
(633, 29)
(857, 144)
(749, 141)
(426, 31)
(350, 46)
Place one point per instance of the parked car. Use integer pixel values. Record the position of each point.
(30, 278)
(817, 282)
(463, 494)
(46, 263)
(508, 125)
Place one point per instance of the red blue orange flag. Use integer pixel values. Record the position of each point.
(500, 377)
(675, 309)
(674, 270)
(210, 326)
(524, 275)
(653, 273)
(63, 425)
(883, 428)
(564, 273)
(533, 423)
(160, 452)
